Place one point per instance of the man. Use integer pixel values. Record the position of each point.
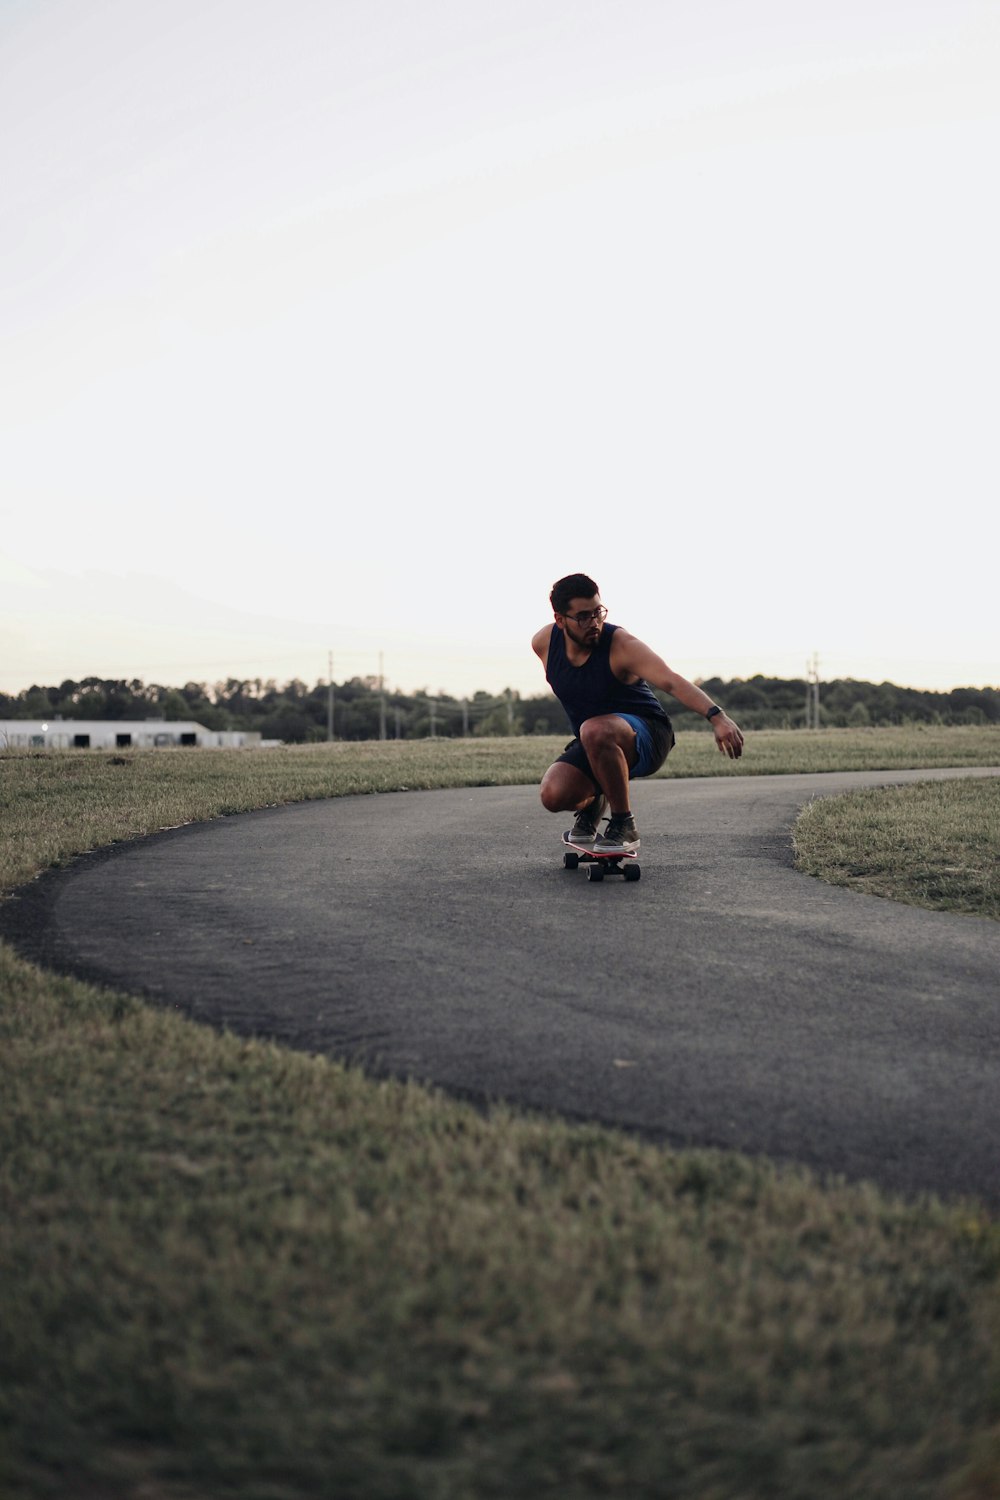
(601, 675)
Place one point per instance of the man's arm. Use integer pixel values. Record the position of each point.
(540, 643)
(631, 656)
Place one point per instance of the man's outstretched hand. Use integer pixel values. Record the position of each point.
(728, 736)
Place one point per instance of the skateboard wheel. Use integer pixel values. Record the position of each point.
(632, 872)
(571, 861)
(595, 873)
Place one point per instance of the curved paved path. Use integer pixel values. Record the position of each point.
(722, 1000)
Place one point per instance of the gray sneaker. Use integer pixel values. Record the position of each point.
(584, 830)
(621, 833)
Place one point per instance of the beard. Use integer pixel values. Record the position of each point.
(585, 637)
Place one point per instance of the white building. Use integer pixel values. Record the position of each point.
(119, 734)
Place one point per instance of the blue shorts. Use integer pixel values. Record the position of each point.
(649, 751)
(654, 740)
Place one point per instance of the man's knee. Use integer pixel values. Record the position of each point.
(596, 734)
(552, 789)
(563, 788)
(551, 800)
(609, 735)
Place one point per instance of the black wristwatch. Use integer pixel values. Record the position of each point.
(715, 709)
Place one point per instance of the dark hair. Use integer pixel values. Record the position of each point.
(574, 586)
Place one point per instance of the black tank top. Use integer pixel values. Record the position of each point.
(593, 688)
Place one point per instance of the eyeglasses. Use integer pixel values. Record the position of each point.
(584, 616)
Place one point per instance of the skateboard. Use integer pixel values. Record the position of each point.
(599, 864)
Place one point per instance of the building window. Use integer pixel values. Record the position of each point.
(81, 742)
(189, 739)
(123, 741)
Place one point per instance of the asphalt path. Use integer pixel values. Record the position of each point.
(721, 1000)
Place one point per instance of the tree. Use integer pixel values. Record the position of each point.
(289, 723)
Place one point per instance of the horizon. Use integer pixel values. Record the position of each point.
(391, 687)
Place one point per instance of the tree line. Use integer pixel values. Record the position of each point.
(362, 710)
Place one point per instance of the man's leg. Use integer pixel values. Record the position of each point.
(566, 788)
(609, 741)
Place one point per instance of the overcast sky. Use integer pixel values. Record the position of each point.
(351, 325)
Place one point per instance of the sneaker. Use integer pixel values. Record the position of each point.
(621, 833)
(584, 830)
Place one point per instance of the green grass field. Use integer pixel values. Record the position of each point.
(933, 844)
(231, 1270)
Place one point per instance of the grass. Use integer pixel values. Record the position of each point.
(933, 844)
(231, 1270)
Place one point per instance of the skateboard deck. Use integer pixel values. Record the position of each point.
(600, 862)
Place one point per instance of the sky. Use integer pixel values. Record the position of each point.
(349, 326)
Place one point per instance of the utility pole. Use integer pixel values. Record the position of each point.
(809, 704)
(812, 693)
(381, 698)
(329, 699)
